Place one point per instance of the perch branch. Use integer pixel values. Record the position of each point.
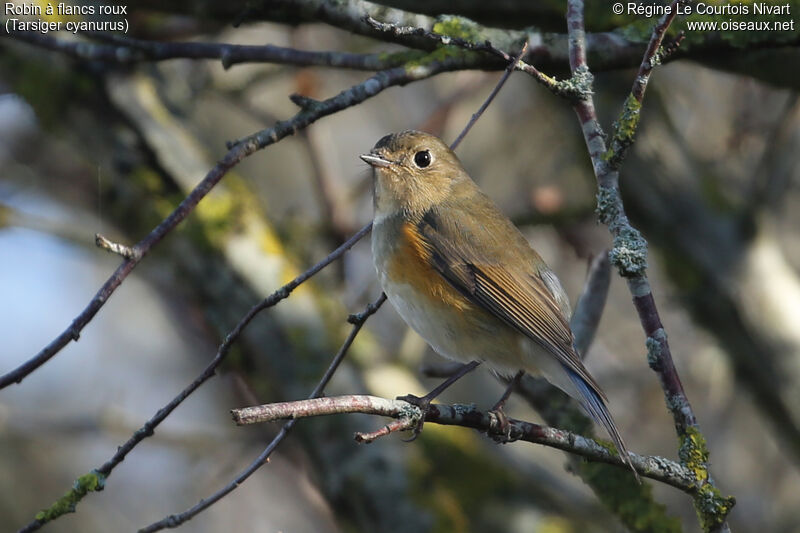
(657, 468)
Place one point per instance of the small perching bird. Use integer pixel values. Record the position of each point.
(465, 278)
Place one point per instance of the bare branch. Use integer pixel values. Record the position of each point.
(403, 424)
(331, 405)
(652, 57)
(607, 50)
(243, 148)
(176, 520)
(99, 475)
(126, 50)
(591, 303)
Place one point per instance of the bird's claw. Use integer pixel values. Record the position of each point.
(424, 405)
(503, 433)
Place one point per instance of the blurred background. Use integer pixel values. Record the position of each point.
(88, 147)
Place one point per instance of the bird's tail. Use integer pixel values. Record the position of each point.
(594, 404)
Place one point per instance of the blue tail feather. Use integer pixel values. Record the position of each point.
(596, 407)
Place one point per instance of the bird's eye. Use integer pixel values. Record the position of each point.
(422, 159)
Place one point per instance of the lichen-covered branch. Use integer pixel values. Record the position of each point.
(570, 89)
(621, 48)
(629, 255)
(626, 125)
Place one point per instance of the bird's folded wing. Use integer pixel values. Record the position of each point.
(515, 294)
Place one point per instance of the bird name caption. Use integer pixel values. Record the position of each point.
(742, 17)
(31, 17)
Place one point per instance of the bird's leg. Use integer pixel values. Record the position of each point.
(424, 402)
(497, 410)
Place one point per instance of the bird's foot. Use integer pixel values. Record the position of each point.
(500, 419)
(424, 405)
(501, 429)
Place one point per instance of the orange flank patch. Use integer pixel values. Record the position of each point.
(411, 264)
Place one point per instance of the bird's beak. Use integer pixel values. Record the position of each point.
(375, 161)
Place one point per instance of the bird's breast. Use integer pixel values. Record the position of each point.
(445, 318)
(402, 259)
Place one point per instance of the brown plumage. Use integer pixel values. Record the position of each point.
(463, 276)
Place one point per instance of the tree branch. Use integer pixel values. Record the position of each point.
(610, 50)
(627, 124)
(241, 149)
(589, 308)
(569, 89)
(657, 468)
(629, 255)
(126, 50)
(172, 521)
(96, 478)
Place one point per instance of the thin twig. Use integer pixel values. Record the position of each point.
(172, 521)
(103, 472)
(652, 57)
(403, 424)
(495, 91)
(654, 467)
(114, 247)
(243, 148)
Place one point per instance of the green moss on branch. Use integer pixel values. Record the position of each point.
(92, 482)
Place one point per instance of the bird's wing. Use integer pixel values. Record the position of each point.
(502, 278)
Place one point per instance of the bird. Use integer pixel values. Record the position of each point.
(464, 277)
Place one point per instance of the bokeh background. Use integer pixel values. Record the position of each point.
(88, 147)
